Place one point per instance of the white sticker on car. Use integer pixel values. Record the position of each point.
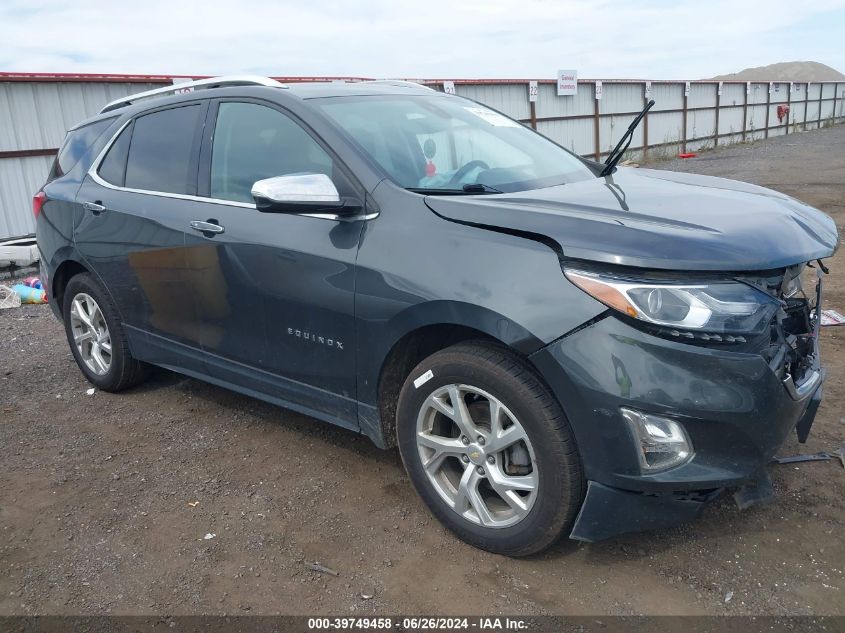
(419, 382)
(493, 118)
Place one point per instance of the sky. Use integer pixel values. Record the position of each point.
(647, 39)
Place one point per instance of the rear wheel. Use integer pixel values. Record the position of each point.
(489, 450)
(96, 337)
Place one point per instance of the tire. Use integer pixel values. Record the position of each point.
(111, 368)
(511, 518)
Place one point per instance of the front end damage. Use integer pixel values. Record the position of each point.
(737, 399)
(793, 352)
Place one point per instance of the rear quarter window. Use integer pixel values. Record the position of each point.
(76, 144)
(113, 167)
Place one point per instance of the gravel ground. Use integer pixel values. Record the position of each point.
(179, 497)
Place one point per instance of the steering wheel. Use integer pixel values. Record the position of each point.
(465, 169)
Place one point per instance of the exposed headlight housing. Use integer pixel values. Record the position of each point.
(723, 307)
(663, 443)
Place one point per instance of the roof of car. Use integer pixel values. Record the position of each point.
(310, 90)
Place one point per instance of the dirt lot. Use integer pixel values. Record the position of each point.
(105, 499)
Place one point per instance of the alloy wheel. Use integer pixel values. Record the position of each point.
(91, 333)
(477, 456)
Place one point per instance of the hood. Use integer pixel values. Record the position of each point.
(658, 219)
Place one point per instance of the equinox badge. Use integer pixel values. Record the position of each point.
(314, 338)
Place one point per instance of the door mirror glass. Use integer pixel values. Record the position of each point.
(296, 193)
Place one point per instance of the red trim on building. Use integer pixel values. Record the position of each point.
(117, 78)
(25, 153)
(167, 79)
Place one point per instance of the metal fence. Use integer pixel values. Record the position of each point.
(688, 116)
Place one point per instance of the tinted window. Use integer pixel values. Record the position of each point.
(113, 167)
(160, 152)
(252, 142)
(76, 142)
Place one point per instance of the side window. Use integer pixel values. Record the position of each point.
(113, 167)
(253, 142)
(76, 143)
(161, 151)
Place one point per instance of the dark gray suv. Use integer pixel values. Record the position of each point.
(555, 345)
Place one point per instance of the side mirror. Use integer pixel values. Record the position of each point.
(298, 193)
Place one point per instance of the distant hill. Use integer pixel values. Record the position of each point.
(786, 71)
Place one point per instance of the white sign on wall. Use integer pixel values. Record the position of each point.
(598, 90)
(686, 89)
(532, 91)
(567, 83)
(748, 87)
(648, 90)
(719, 91)
(449, 87)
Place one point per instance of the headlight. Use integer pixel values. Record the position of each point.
(718, 307)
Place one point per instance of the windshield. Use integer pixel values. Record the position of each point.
(447, 144)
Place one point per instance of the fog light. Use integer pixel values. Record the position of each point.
(663, 443)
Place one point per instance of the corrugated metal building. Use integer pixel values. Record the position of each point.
(35, 111)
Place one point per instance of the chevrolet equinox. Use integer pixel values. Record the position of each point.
(556, 346)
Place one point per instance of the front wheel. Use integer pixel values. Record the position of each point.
(489, 450)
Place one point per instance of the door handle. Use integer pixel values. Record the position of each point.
(94, 207)
(207, 227)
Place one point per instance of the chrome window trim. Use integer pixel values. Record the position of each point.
(95, 167)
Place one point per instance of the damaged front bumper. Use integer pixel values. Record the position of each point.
(736, 406)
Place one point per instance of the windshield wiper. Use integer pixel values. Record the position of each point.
(467, 190)
(480, 187)
(624, 142)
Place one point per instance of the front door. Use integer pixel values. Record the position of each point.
(276, 304)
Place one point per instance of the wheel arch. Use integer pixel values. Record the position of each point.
(70, 266)
(68, 269)
(417, 334)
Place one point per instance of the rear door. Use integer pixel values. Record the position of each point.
(276, 303)
(138, 205)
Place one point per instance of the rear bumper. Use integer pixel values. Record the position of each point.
(735, 409)
(44, 275)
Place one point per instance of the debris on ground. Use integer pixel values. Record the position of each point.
(8, 298)
(832, 317)
(824, 456)
(794, 459)
(28, 294)
(315, 566)
(209, 536)
(91, 391)
(193, 504)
